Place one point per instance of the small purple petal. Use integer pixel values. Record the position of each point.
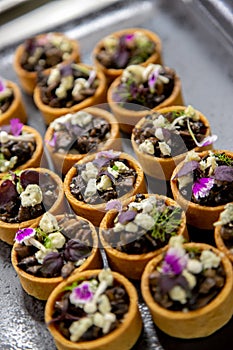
(224, 173)
(66, 70)
(152, 79)
(187, 168)
(81, 294)
(202, 186)
(207, 141)
(175, 261)
(2, 85)
(126, 216)
(53, 140)
(114, 204)
(129, 38)
(91, 78)
(16, 126)
(24, 233)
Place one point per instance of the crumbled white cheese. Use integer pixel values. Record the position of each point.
(190, 278)
(134, 72)
(165, 148)
(136, 205)
(192, 113)
(57, 123)
(90, 172)
(176, 241)
(65, 85)
(79, 85)
(210, 163)
(54, 76)
(90, 188)
(159, 134)
(147, 147)
(6, 165)
(121, 166)
(57, 240)
(118, 227)
(192, 155)
(209, 259)
(194, 266)
(98, 320)
(131, 227)
(159, 122)
(144, 220)
(104, 184)
(177, 293)
(113, 172)
(109, 319)
(226, 216)
(110, 43)
(185, 180)
(31, 196)
(78, 328)
(48, 223)
(104, 305)
(4, 136)
(81, 118)
(41, 254)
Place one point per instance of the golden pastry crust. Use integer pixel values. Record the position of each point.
(63, 162)
(41, 287)
(124, 337)
(129, 118)
(220, 243)
(95, 213)
(132, 265)
(8, 230)
(199, 216)
(16, 109)
(50, 113)
(111, 73)
(28, 79)
(197, 323)
(162, 168)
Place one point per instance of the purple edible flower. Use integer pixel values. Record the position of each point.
(152, 80)
(23, 234)
(175, 261)
(207, 141)
(126, 216)
(224, 173)
(16, 126)
(81, 294)
(91, 78)
(129, 38)
(202, 187)
(114, 204)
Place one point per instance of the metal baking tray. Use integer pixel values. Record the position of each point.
(196, 44)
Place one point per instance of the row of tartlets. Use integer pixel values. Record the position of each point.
(143, 235)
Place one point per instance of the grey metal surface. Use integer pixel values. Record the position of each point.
(200, 54)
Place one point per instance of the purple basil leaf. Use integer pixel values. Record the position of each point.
(29, 177)
(52, 264)
(167, 282)
(114, 204)
(66, 70)
(126, 216)
(121, 58)
(224, 173)
(187, 168)
(8, 192)
(76, 250)
(166, 134)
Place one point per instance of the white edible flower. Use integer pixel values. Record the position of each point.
(190, 278)
(209, 259)
(177, 293)
(165, 148)
(121, 166)
(57, 240)
(31, 196)
(104, 184)
(91, 188)
(147, 147)
(81, 118)
(159, 134)
(48, 223)
(134, 72)
(54, 76)
(194, 266)
(78, 328)
(90, 172)
(41, 254)
(145, 221)
(131, 227)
